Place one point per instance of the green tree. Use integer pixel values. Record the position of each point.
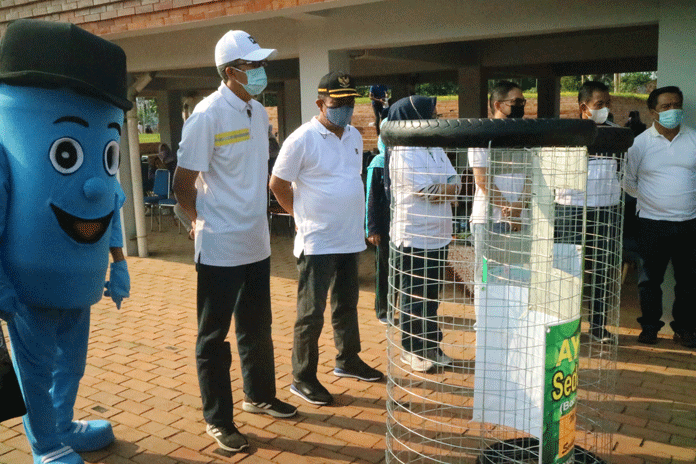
(570, 83)
(147, 112)
(429, 89)
(631, 82)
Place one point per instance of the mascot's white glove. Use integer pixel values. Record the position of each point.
(118, 285)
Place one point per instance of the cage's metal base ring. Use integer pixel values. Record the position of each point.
(526, 450)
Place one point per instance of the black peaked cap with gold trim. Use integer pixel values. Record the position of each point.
(337, 84)
(52, 54)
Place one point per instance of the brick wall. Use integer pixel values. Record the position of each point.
(112, 16)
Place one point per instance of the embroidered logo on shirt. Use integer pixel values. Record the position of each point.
(227, 138)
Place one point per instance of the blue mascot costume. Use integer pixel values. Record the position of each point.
(62, 103)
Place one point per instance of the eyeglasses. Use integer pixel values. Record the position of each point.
(250, 64)
(515, 102)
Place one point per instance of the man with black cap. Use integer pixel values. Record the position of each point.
(316, 178)
(220, 183)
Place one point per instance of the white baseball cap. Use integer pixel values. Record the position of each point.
(238, 45)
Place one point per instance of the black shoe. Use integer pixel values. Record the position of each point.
(228, 438)
(687, 339)
(311, 392)
(275, 408)
(648, 336)
(357, 369)
(602, 335)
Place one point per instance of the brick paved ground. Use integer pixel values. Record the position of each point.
(141, 376)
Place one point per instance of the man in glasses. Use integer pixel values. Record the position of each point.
(506, 102)
(220, 183)
(316, 178)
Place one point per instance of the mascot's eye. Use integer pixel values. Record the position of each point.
(66, 155)
(111, 157)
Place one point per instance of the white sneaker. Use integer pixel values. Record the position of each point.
(417, 363)
(439, 358)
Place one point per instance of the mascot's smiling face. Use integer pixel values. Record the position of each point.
(65, 162)
(62, 150)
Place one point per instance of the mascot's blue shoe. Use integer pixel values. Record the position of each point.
(88, 436)
(64, 455)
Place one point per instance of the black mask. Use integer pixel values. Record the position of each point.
(516, 111)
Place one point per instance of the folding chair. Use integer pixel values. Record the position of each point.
(161, 190)
(274, 209)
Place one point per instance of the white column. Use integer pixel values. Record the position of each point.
(676, 52)
(676, 61)
(130, 244)
(314, 63)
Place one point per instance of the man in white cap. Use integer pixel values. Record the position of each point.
(220, 183)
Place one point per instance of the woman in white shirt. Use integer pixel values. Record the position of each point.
(424, 185)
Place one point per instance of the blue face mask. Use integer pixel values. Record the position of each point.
(671, 118)
(256, 80)
(340, 116)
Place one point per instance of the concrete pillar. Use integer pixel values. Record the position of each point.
(549, 103)
(339, 61)
(175, 122)
(676, 61)
(163, 116)
(676, 52)
(398, 91)
(314, 63)
(130, 244)
(473, 92)
(289, 118)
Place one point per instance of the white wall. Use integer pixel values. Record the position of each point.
(676, 58)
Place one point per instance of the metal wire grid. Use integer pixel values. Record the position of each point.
(486, 406)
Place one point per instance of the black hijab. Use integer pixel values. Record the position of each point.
(413, 107)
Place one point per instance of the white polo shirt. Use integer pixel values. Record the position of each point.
(230, 149)
(416, 221)
(603, 186)
(328, 192)
(662, 175)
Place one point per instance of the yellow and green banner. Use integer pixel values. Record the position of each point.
(149, 138)
(560, 392)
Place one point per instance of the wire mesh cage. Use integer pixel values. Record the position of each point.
(505, 258)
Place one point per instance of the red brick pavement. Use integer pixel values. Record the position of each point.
(141, 376)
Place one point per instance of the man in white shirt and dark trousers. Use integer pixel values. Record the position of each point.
(602, 200)
(661, 174)
(220, 183)
(316, 178)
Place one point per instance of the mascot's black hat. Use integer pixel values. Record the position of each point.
(51, 54)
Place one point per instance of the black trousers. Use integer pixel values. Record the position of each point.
(600, 245)
(421, 273)
(658, 243)
(382, 278)
(318, 274)
(245, 292)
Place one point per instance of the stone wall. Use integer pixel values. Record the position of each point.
(113, 16)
